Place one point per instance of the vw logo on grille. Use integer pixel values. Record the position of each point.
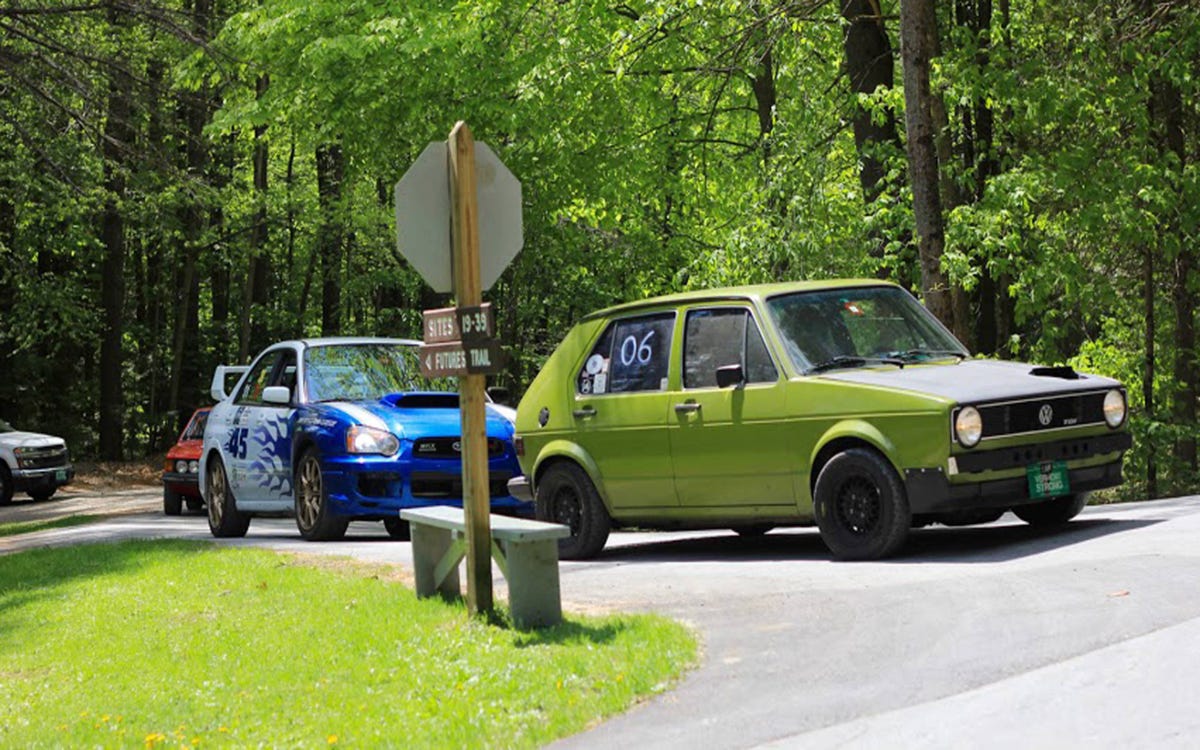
(457, 446)
(1045, 415)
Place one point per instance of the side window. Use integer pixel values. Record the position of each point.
(759, 368)
(719, 337)
(285, 373)
(632, 355)
(257, 379)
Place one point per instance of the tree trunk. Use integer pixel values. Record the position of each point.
(330, 172)
(258, 273)
(869, 67)
(918, 32)
(116, 144)
(1166, 114)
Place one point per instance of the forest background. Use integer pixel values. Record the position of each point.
(183, 182)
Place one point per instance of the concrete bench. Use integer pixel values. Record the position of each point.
(526, 551)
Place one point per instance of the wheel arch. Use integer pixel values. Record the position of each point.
(850, 434)
(558, 451)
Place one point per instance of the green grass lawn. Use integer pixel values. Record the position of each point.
(171, 643)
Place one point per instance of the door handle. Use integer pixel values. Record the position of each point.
(689, 407)
(584, 412)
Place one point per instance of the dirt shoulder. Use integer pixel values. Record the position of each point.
(99, 489)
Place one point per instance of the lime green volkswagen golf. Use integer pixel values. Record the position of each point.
(843, 403)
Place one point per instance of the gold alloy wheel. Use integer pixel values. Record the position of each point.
(308, 493)
(216, 494)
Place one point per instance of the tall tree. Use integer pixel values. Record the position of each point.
(918, 42)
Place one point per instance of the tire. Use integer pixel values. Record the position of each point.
(172, 502)
(397, 528)
(753, 529)
(6, 484)
(861, 507)
(1053, 512)
(566, 495)
(194, 504)
(224, 519)
(43, 495)
(313, 517)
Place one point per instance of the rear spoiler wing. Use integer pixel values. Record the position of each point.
(217, 389)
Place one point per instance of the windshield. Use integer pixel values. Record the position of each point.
(857, 326)
(363, 372)
(195, 428)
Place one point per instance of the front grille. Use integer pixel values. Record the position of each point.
(440, 484)
(451, 447)
(43, 458)
(1000, 459)
(1037, 414)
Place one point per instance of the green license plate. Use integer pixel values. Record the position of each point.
(1048, 479)
(61, 475)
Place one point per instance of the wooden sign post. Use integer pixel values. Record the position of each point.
(468, 292)
(441, 203)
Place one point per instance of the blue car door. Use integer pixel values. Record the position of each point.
(258, 442)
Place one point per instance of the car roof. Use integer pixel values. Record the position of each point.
(344, 340)
(747, 292)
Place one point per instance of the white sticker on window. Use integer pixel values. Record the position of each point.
(600, 383)
(595, 364)
(662, 384)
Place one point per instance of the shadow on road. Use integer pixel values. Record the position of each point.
(976, 544)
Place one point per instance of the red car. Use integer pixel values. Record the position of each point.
(180, 469)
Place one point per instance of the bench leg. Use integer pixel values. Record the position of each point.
(435, 572)
(532, 574)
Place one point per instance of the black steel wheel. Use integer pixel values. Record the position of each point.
(566, 495)
(1053, 512)
(224, 519)
(317, 523)
(861, 507)
(172, 502)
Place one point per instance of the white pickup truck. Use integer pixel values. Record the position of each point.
(33, 463)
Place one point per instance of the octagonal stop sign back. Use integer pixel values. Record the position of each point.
(423, 215)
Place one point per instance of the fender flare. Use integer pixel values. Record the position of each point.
(567, 450)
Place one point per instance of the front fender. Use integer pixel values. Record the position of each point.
(565, 449)
(857, 430)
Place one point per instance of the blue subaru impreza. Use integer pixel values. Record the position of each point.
(338, 430)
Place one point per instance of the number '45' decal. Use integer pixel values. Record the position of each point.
(235, 446)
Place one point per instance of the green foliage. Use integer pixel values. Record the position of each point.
(650, 162)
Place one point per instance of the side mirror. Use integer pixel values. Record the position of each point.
(278, 395)
(499, 395)
(730, 375)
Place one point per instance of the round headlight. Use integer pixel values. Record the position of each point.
(1114, 408)
(181, 466)
(194, 466)
(968, 426)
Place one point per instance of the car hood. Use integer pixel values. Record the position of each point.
(415, 415)
(976, 380)
(186, 449)
(20, 439)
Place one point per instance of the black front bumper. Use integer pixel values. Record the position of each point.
(46, 478)
(929, 491)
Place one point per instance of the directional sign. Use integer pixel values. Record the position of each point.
(458, 324)
(457, 358)
(423, 216)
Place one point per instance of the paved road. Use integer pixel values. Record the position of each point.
(993, 636)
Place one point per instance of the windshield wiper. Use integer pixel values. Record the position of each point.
(844, 360)
(912, 354)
